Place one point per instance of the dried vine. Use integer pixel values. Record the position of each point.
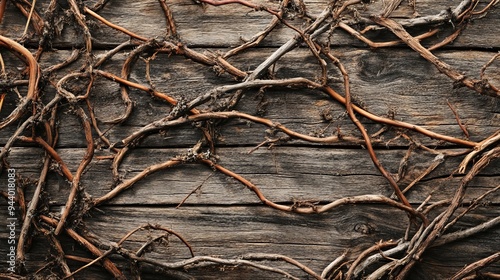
(36, 112)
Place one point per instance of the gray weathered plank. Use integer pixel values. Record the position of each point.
(284, 174)
(207, 25)
(378, 78)
(314, 240)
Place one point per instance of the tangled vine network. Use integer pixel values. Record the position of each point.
(43, 92)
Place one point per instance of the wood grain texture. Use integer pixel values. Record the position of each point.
(208, 26)
(238, 230)
(377, 79)
(224, 218)
(284, 174)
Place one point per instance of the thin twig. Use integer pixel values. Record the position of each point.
(459, 122)
(87, 158)
(114, 26)
(29, 18)
(476, 266)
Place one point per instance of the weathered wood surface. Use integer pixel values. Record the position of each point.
(227, 26)
(284, 174)
(224, 218)
(240, 230)
(422, 94)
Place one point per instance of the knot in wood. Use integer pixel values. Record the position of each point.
(364, 228)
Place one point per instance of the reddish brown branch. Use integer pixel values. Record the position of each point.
(53, 154)
(475, 266)
(34, 74)
(107, 264)
(87, 158)
(482, 87)
(125, 72)
(157, 227)
(126, 82)
(459, 122)
(127, 184)
(396, 123)
(368, 141)
(172, 30)
(372, 44)
(449, 39)
(165, 123)
(112, 25)
(3, 3)
(316, 208)
(257, 38)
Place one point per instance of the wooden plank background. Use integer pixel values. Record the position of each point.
(224, 218)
